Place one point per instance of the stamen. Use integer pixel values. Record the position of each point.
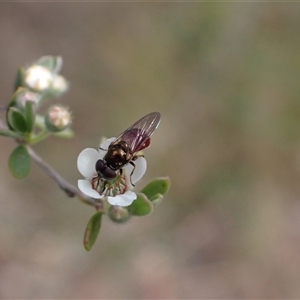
(109, 188)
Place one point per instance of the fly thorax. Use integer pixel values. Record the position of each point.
(116, 157)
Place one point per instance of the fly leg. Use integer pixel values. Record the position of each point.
(135, 157)
(133, 164)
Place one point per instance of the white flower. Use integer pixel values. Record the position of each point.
(116, 191)
(38, 78)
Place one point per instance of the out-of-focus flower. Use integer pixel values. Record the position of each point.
(41, 79)
(38, 78)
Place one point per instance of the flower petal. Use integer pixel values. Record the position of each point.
(86, 187)
(86, 162)
(139, 171)
(122, 200)
(105, 146)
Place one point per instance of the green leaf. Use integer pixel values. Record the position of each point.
(12, 103)
(141, 206)
(29, 115)
(92, 231)
(19, 162)
(52, 63)
(19, 79)
(16, 120)
(157, 186)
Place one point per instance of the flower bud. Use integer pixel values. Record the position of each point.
(118, 214)
(25, 96)
(58, 118)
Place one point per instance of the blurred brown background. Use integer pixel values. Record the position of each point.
(225, 77)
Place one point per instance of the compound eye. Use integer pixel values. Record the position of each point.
(104, 171)
(100, 166)
(108, 173)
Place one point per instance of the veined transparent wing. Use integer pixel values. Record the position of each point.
(137, 136)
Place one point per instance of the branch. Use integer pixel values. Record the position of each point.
(68, 188)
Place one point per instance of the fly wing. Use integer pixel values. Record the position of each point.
(137, 135)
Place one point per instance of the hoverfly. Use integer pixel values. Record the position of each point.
(124, 149)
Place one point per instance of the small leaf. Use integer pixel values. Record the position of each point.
(19, 162)
(29, 115)
(157, 186)
(19, 91)
(19, 79)
(16, 120)
(92, 231)
(141, 206)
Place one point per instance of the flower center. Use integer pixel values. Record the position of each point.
(111, 188)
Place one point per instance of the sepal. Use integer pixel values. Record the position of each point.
(118, 214)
